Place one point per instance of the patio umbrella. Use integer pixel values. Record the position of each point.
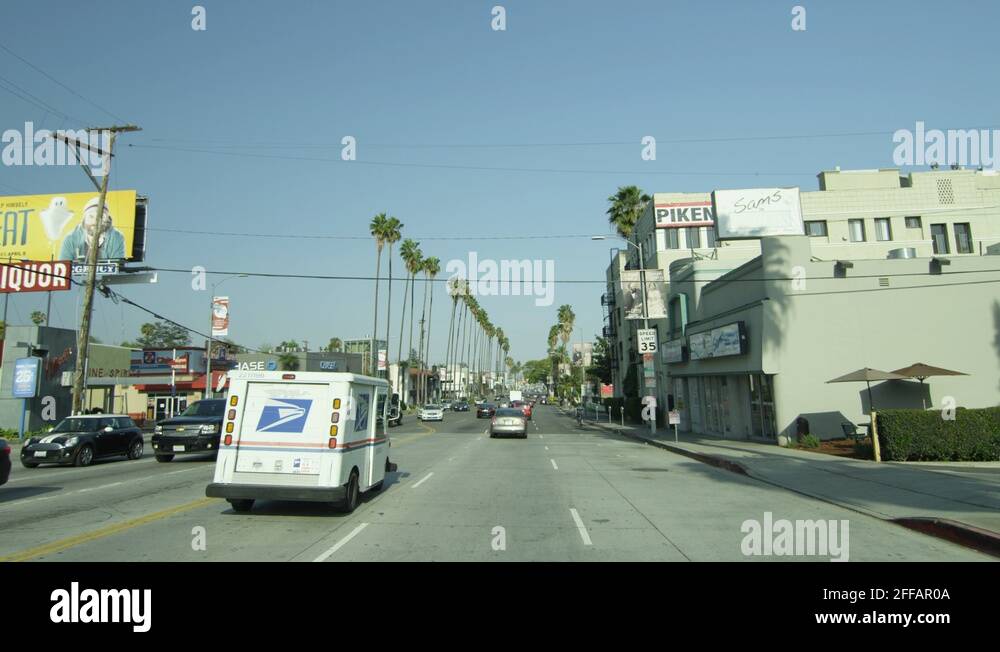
(920, 371)
(868, 375)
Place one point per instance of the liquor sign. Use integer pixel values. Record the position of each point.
(220, 316)
(34, 276)
(26, 377)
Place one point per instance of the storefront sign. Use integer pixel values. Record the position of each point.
(719, 342)
(34, 276)
(684, 214)
(673, 351)
(26, 377)
(104, 268)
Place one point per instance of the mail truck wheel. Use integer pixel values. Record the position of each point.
(241, 504)
(353, 496)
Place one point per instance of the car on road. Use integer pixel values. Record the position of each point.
(81, 439)
(445, 405)
(524, 407)
(195, 430)
(431, 412)
(509, 421)
(4, 461)
(460, 406)
(485, 410)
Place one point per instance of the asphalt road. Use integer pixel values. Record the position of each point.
(563, 494)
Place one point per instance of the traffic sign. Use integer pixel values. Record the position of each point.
(647, 340)
(674, 417)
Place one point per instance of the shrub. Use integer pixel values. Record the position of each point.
(915, 435)
(810, 441)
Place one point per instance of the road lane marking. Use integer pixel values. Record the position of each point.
(423, 480)
(581, 527)
(113, 484)
(554, 465)
(546, 448)
(87, 537)
(340, 544)
(541, 437)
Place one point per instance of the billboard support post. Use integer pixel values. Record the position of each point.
(83, 336)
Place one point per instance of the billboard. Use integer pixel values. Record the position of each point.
(583, 353)
(25, 383)
(160, 362)
(63, 227)
(655, 307)
(220, 316)
(34, 276)
(758, 212)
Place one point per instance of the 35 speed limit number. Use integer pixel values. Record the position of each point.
(647, 340)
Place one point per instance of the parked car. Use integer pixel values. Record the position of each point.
(195, 430)
(485, 410)
(509, 421)
(461, 406)
(431, 412)
(445, 405)
(4, 461)
(81, 439)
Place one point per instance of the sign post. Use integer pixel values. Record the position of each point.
(674, 419)
(25, 384)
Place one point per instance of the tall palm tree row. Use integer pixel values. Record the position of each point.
(409, 251)
(393, 232)
(431, 267)
(378, 228)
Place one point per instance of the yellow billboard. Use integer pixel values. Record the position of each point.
(63, 227)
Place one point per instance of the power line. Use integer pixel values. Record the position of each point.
(34, 100)
(368, 237)
(56, 81)
(479, 168)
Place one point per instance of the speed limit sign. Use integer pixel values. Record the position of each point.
(647, 340)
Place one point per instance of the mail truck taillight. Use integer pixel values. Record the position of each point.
(228, 441)
(333, 442)
(229, 427)
(288, 376)
(233, 400)
(336, 404)
(333, 431)
(231, 415)
(335, 418)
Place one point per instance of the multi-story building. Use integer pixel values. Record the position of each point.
(855, 215)
(364, 347)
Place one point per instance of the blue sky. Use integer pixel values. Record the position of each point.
(402, 76)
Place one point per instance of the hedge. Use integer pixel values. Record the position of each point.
(924, 435)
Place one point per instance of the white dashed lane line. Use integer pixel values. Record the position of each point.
(423, 480)
(580, 526)
(340, 544)
(554, 465)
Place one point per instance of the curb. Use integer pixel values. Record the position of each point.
(957, 532)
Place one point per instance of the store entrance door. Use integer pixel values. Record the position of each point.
(164, 406)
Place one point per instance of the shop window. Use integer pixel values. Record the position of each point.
(816, 229)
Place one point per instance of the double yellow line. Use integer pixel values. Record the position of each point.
(86, 537)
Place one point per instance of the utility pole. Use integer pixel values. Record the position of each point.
(83, 336)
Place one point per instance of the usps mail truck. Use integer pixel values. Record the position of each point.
(309, 436)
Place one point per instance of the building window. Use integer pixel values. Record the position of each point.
(816, 229)
(673, 242)
(963, 238)
(939, 236)
(693, 237)
(913, 223)
(857, 229)
(883, 229)
(710, 237)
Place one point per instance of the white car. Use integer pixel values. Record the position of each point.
(431, 412)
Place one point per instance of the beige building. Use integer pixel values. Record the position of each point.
(856, 215)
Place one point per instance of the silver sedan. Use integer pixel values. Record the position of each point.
(509, 421)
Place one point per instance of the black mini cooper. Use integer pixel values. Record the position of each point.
(81, 439)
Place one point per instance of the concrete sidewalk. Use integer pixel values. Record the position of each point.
(957, 500)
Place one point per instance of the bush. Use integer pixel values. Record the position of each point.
(923, 435)
(810, 441)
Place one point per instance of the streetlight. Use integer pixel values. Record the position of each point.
(208, 349)
(645, 310)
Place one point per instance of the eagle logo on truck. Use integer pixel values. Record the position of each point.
(284, 415)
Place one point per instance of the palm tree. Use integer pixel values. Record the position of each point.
(455, 287)
(289, 362)
(567, 320)
(377, 227)
(432, 267)
(392, 234)
(336, 344)
(409, 251)
(626, 208)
